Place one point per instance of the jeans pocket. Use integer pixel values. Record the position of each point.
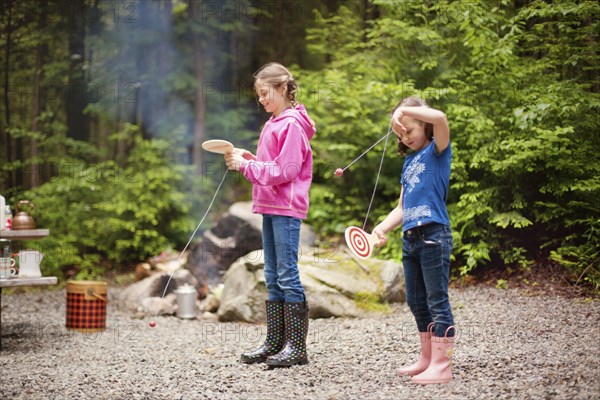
(439, 237)
(409, 243)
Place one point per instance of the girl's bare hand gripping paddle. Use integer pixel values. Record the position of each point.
(360, 242)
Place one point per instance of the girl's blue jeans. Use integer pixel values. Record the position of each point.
(426, 258)
(281, 237)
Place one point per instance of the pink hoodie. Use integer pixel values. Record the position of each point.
(282, 172)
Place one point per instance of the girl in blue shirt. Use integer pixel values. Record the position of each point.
(424, 138)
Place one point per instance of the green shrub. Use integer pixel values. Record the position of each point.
(519, 84)
(106, 214)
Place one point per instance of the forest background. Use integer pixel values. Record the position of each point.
(105, 104)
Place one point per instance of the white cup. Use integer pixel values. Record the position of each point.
(6, 267)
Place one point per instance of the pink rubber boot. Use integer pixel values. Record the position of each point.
(440, 367)
(423, 361)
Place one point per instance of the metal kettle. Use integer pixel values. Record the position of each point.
(22, 220)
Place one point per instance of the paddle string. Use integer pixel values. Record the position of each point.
(387, 135)
(369, 149)
(193, 234)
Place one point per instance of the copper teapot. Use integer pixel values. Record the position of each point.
(22, 220)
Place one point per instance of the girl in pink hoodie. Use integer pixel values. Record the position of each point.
(281, 174)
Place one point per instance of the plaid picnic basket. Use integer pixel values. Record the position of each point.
(86, 305)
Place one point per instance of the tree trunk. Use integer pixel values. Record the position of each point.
(76, 99)
(7, 10)
(17, 152)
(200, 106)
(144, 59)
(37, 106)
(165, 55)
(97, 134)
(279, 21)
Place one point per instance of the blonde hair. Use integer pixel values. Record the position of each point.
(413, 101)
(277, 76)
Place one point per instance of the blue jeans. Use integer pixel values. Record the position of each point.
(281, 238)
(426, 258)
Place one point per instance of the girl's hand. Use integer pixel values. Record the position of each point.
(378, 233)
(234, 159)
(397, 125)
(245, 153)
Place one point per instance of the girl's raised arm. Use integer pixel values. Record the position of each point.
(441, 131)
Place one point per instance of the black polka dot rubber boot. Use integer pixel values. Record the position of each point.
(296, 328)
(275, 335)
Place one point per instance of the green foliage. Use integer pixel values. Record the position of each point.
(105, 214)
(521, 90)
(501, 284)
(324, 205)
(517, 80)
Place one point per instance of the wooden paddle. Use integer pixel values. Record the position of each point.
(360, 242)
(218, 146)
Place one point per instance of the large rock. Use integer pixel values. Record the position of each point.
(237, 233)
(244, 291)
(392, 278)
(134, 297)
(243, 211)
(151, 306)
(335, 286)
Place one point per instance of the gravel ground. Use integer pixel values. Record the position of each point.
(510, 346)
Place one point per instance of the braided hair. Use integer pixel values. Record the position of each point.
(277, 76)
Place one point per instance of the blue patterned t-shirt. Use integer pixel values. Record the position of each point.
(425, 179)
